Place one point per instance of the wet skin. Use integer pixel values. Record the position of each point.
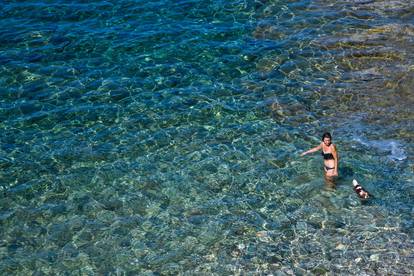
(328, 147)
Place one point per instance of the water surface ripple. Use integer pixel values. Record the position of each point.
(162, 137)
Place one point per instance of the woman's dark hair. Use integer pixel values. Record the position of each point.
(326, 135)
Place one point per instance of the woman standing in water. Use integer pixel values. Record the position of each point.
(329, 154)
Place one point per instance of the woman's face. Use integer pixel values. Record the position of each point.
(327, 141)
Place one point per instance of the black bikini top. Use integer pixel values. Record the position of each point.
(327, 156)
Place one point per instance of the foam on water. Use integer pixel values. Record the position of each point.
(393, 148)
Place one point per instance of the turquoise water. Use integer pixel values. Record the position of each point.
(163, 137)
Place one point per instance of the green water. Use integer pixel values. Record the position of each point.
(163, 138)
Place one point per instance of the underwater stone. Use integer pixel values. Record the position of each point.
(112, 204)
(60, 234)
(374, 257)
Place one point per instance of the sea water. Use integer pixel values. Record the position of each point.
(163, 137)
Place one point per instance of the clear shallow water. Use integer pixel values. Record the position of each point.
(160, 138)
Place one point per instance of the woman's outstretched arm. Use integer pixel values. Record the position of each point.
(312, 150)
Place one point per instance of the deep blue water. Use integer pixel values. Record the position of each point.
(163, 137)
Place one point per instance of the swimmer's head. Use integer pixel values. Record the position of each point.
(327, 138)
